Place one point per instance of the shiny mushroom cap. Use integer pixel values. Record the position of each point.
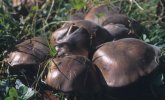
(31, 51)
(72, 74)
(125, 61)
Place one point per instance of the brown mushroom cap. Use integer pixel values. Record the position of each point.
(118, 31)
(134, 26)
(118, 19)
(59, 32)
(72, 74)
(31, 51)
(114, 16)
(81, 35)
(99, 13)
(76, 43)
(126, 60)
(71, 26)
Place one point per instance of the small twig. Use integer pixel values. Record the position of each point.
(130, 7)
(22, 72)
(45, 4)
(50, 11)
(70, 28)
(134, 1)
(40, 76)
(47, 25)
(67, 21)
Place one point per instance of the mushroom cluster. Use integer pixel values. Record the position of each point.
(98, 58)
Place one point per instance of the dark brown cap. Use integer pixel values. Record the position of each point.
(125, 61)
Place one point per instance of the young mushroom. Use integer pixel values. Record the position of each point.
(73, 75)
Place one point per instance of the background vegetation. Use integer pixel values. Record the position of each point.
(46, 19)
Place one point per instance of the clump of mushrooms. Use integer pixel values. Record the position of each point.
(95, 56)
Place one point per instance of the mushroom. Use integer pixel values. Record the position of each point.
(129, 66)
(73, 75)
(119, 19)
(76, 43)
(118, 31)
(119, 25)
(27, 56)
(61, 33)
(81, 35)
(99, 13)
(31, 51)
(133, 25)
(125, 61)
